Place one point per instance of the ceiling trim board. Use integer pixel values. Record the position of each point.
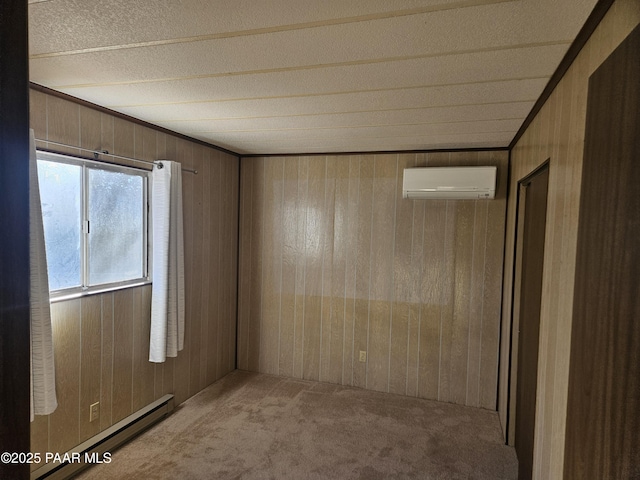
(49, 91)
(382, 152)
(596, 16)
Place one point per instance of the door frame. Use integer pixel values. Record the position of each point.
(516, 276)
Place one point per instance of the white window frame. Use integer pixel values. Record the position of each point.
(87, 164)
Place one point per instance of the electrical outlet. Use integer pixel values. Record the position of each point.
(363, 356)
(94, 411)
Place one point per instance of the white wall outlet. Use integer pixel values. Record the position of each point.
(94, 411)
(363, 356)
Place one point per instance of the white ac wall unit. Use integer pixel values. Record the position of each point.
(449, 183)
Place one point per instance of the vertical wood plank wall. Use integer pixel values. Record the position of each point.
(333, 261)
(557, 133)
(101, 341)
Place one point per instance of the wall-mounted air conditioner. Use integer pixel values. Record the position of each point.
(449, 183)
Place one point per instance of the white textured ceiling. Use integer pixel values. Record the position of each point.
(294, 76)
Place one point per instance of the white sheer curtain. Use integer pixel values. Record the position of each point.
(167, 297)
(43, 380)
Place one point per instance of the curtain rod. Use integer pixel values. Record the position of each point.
(97, 153)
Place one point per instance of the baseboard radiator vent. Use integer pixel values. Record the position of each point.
(106, 441)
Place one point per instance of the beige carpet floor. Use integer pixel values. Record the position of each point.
(254, 426)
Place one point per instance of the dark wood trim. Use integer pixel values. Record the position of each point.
(603, 399)
(380, 152)
(587, 29)
(85, 103)
(527, 178)
(514, 271)
(14, 236)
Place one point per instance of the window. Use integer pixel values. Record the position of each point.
(95, 224)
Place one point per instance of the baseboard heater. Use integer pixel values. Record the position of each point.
(109, 439)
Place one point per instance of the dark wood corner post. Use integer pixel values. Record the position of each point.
(14, 236)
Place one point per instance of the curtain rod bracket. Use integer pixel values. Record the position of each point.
(97, 153)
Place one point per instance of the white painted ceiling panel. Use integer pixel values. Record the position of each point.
(284, 76)
(433, 71)
(436, 115)
(398, 99)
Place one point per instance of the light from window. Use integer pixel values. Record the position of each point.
(95, 223)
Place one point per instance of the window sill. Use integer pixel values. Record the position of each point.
(74, 293)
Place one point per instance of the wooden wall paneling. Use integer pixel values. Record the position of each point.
(39, 437)
(488, 379)
(301, 209)
(149, 142)
(271, 265)
(552, 317)
(229, 238)
(339, 245)
(195, 184)
(182, 376)
(223, 262)
(400, 302)
(401, 295)
(65, 421)
(328, 232)
(463, 239)
(476, 304)
(212, 211)
(38, 116)
(336, 289)
(351, 270)
(106, 360)
(415, 289)
(435, 280)
(290, 256)
(555, 252)
(363, 268)
(245, 261)
(255, 317)
(123, 138)
(107, 137)
(203, 167)
(122, 354)
(63, 124)
(314, 254)
(381, 260)
(90, 363)
(90, 129)
(448, 226)
(228, 257)
(233, 165)
(143, 370)
(171, 145)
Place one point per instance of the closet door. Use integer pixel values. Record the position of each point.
(603, 412)
(532, 202)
